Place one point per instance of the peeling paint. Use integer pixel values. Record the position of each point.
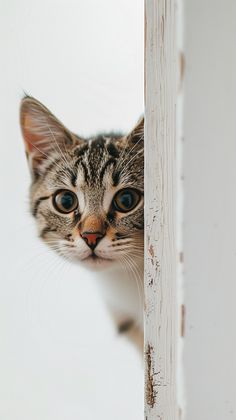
(151, 251)
(161, 69)
(151, 393)
(150, 282)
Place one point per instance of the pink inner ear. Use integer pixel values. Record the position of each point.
(31, 139)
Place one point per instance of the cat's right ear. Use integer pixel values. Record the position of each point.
(136, 137)
(42, 132)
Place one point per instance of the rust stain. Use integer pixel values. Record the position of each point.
(151, 394)
(182, 322)
(181, 257)
(151, 251)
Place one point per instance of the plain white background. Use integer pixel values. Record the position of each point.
(60, 358)
(210, 209)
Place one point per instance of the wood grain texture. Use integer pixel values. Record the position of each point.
(160, 210)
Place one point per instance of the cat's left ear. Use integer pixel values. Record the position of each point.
(43, 133)
(137, 134)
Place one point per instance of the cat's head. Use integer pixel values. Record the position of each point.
(86, 195)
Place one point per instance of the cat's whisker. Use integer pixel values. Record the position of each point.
(129, 151)
(51, 268)
(135, 275)
(128, 251)
(138, 280)
(55, 260)
(128, 163)
(47, 156)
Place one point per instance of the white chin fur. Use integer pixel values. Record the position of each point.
(94, 263)
(97, 264)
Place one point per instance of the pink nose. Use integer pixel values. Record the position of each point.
(92, 238)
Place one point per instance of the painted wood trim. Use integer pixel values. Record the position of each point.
(161, 311)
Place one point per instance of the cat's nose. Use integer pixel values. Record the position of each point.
(92, 238)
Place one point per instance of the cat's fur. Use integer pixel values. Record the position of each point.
(94, 169)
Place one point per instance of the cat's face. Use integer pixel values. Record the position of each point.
(86, 195)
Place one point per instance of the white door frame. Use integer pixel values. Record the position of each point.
(161, 175)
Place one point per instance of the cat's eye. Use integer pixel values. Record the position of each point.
(126, 200)
(65, 201)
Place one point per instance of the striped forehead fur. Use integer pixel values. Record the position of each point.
(95, 158)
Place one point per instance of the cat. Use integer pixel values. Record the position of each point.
(87, 197)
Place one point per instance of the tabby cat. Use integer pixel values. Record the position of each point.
(87, 199)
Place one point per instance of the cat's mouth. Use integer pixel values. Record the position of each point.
(93, 257)
(95, 261)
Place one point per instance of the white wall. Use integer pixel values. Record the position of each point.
(59, 356)
(210, 209)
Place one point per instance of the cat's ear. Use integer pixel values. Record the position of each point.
(42, 133)
(136, 136)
